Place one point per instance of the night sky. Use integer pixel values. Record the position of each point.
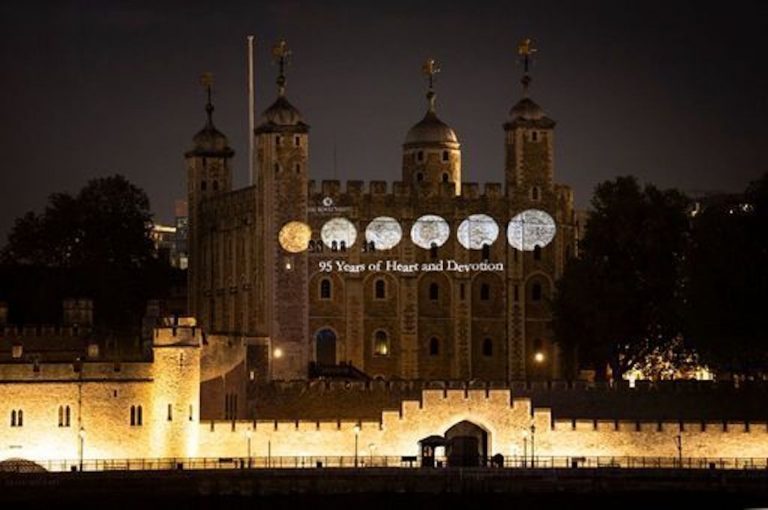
(673, 92)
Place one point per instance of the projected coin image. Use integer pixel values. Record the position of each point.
(531, 228)
(384, 232)
(338, 233)
(430, 229)
(294, 236)
(477, 230)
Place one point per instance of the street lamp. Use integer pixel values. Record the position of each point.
(357, 436)
(679, 441)
(525, 447)
(533, 451)
(371, 448)
(248, 435)
(81, 434)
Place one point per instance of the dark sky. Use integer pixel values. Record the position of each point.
(673, 92)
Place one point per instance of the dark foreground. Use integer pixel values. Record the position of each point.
(393, 489)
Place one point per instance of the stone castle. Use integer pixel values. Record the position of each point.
(439, 350)
(295, 307)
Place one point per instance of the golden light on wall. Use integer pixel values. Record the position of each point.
(294, 236)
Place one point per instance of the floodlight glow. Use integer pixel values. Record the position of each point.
(531, 228)
(338, 232)
(384, 232)
(430, 230)
(476, 231)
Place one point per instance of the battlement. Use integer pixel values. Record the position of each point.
(44, 331)
(177, 332)
(355, 189)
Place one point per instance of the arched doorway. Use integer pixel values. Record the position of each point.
(466, 445)
(325, 347)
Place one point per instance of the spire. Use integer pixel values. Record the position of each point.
(525, 51)
(206, 80)
(430, 68)
(281, 54)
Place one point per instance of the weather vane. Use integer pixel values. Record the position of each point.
(430, 68)
(525, 50)
(206, 80)
(281, 54)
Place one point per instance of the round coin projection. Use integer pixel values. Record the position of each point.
(384, 232)
(338, 233)
(531, 228)
(476, 231)
(294, 236)
(430, 230)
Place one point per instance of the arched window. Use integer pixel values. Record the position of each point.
(419, 176)
(215, 185)
(139, 416)
(334, 246)
(67, 416)
(433, 251)
(380, 289)
(537, 252)
(133, 416)
(277, 168)
(203, 185)
(420, 156)
(61, 416)
(535, 136)
(486, 251)
(487, 347)
(434, 346)
(342, 246)
(372, 246)
(13, 418)
(278, 139)
(64, 415)
(536, 292)
(535, 193)
(297, 141)
(298, 168)
(170, 412)
(380, 343)
(445, 177)
(434, 291)
(445, 155)
(485, 292)
(325, 288)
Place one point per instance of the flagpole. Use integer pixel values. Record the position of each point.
(251, 112)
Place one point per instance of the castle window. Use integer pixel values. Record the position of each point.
(342, 246)
(487, 347)
(486, 251)
(516, 292)
(380, 343)
(434, 346)
(485, 292)
(420, 156)
(434, 291)
(325, 288)
(297, 141)
(203, 185)
(537, 252)
(536, 292)
(137, 418)
(433, 251)
(535, 193)
(298, 168)
(419, 176)
(462, 292)
(277, 168)
(334, 246)
(311, 246)
(17, 418)
(380, 289)
(445, 155)
(445, 177)
(535, 136)
(215, 185)
(170, 412)
(64, 416)
(278, 140)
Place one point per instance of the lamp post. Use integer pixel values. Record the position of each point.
(525, 448)
(81, 434)
(679, 441)
(248, 435)
(533, 445)
(357, 436)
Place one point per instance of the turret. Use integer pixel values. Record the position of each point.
(431, 152)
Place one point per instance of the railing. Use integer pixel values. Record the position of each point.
(375, 461)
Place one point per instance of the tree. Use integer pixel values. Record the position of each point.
(101, 236)
(726, 281)
(621, 297)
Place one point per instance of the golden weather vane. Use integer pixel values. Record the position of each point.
(525, 50)
(280, 54)
(430, 68)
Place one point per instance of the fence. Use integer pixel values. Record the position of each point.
(375, 461)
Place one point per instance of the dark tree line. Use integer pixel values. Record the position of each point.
(92, 244)
(654, 266)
